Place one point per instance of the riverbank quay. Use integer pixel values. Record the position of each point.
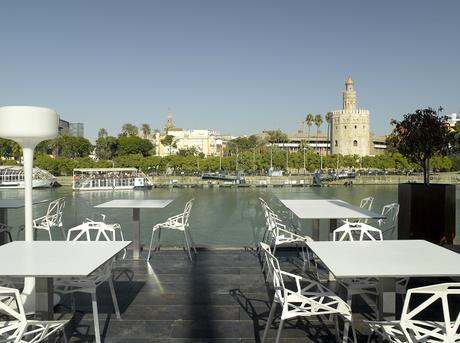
(287, 181)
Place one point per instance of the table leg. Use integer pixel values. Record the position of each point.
(136, 233)
(44, 297)
(315, 233)
(387, 299)
(332, 227)
(3, 220)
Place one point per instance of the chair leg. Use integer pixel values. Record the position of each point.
(49, 234)
(150, 246)
(9, 236)
(269, 321)
(187, 246)
(192, 243)
(114, 298)
(159, 238)
(278, 335)
(97, 333)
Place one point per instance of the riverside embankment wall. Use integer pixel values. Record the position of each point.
(298, 180)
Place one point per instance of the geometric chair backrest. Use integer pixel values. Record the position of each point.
(357, 232)
(92, 231)
(54, 212)
(366, 203)
(187, 210)
(432, 314)
(390, 222)
(274, 272)
(11, 307)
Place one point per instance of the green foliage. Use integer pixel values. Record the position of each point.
(455, 162)
(129, 130)
(72, 147)
(276, 136)
(106, 147)
(246, 143)
(134, 145)
(168, 141)
(420, 136)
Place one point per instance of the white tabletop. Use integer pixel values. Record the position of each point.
(404, 258)
(17, 203)
(56, 258)
(327, 209)
(124, 203)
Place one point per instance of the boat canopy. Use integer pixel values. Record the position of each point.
(85, 170)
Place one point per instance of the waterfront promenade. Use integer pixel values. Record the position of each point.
(289, 181)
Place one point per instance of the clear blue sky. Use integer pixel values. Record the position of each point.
(234, 66)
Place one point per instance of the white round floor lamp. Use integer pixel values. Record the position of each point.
(28, 126)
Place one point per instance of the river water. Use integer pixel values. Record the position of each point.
(221, 217)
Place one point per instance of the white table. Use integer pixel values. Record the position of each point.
(386, 260)
(331, 209)
(46, 260)
(6, 204)
(136, 205)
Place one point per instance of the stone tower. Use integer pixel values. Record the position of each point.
(350, 126)
(169, 122)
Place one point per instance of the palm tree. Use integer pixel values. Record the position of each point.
(102, 133)
(309, 119)
(145, 129)
(318, 123)
(329, 127)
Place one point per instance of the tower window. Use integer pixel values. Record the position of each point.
(345, 127)
(355, 143)
(336, 143)
(356, 126)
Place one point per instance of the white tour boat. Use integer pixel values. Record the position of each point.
(98, 179)
(13, 177)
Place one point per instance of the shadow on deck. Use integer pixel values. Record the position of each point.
(219, 297)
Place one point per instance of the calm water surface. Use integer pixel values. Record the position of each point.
(225, 217)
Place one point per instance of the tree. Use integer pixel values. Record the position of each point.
(169, 142)
(318, 123)
(146, 131)
(309, 119)
(106, 147)
(102, 133)
(134, 145)
(129, 130)
(276, 136)
(421, 136)
(329, 126)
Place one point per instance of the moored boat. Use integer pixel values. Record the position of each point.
(13, 177)
(98, 179)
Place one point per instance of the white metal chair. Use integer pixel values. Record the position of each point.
(307, 299)
(15, 327)
(420, 322)
(52, 218)
(363, 287)
(357, 232)
(177, 222)
(389, 224)
(116, 226)
(366, 203)
(6, 230)
(277, 234)
(91, 231)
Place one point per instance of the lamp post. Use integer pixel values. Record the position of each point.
(28, 126)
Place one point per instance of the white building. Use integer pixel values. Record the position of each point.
(204, 141)
(453, 118)
(350, 126)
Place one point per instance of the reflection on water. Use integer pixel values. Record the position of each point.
(225, 217)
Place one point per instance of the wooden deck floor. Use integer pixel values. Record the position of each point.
(220, 297)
